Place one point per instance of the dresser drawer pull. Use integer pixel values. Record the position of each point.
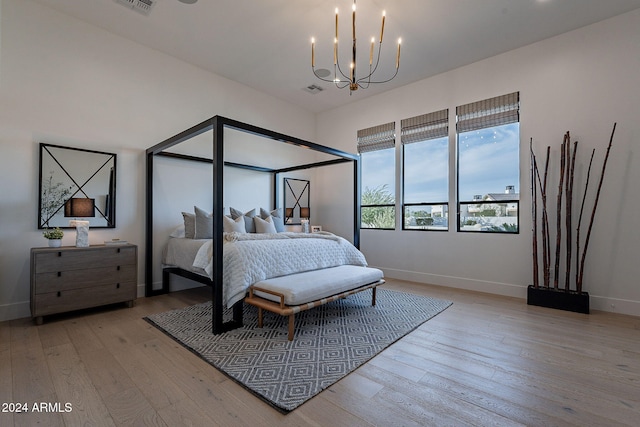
(118, 286)
(59, 294)
(59, 253)
(118, 250)
(59, 273)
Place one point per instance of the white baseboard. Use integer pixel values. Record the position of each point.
(612, 305)
(16, 310)
(505, 289)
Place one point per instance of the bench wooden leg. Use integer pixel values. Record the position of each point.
(373, 296)
(259, 317)
(291, 325)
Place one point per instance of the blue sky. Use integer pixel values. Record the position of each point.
(489, 161)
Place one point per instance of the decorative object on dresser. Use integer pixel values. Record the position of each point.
(70, 278)
(54, 236)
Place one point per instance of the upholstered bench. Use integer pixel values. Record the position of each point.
(288, 295)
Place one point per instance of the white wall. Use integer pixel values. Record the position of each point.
(65, 82)
(582, 81)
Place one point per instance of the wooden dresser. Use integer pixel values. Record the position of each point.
(70, 278)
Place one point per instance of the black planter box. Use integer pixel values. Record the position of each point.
(560, 299)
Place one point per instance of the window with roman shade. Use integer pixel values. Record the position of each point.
(376, 146)
(425, 171)
(488, 143)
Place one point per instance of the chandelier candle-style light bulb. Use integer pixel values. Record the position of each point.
(342, 78)
(353, 23)
(373, 41)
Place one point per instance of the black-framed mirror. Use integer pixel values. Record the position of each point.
(72, 179)
(296, 200)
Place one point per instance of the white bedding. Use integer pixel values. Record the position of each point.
(251, 257)
(181, 252)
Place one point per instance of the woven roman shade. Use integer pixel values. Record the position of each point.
(497, 111)
(377, 138)
(424, 127)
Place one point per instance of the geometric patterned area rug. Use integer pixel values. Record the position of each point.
(330, 341)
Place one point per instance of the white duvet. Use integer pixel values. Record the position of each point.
(251, 257)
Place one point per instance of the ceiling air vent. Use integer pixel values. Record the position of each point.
(142, 6)
(313, 89)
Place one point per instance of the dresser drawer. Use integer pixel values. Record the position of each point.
(76, 279)
(74, 299)
(80, 258)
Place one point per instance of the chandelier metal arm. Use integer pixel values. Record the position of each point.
(377, 81)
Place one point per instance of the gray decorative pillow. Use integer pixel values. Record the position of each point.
(248, 218)
(276, 214)
(204, 224)
(230, 225)
(189, 225)
(264, 225)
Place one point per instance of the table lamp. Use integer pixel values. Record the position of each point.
(80, 208)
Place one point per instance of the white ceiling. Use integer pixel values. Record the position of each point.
(265, 44)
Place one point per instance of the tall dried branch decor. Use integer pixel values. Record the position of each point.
(539, 185)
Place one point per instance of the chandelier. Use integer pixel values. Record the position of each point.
(350, 79)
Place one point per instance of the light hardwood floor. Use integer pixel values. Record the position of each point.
(486, 360)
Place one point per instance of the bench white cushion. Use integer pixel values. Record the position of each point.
(313, 285)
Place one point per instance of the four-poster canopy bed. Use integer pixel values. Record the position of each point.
(217, 126)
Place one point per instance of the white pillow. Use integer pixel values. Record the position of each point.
(276, 216)
(248, 218)
(179, 231)
(264, 225)
(230, 225)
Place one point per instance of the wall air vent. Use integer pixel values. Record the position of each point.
(313, 89)
(142, 6)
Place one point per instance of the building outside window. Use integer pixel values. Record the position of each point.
(489, 165)
(376, 146)
(425, 157)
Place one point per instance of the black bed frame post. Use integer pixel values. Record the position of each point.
(148, 250)
(217, 321)
(276, 191)
(218, 186)
(356, 202)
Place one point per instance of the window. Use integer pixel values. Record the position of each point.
(376, 146)
(488, 165)
(425, 156)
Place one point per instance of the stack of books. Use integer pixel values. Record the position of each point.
(113, 242)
